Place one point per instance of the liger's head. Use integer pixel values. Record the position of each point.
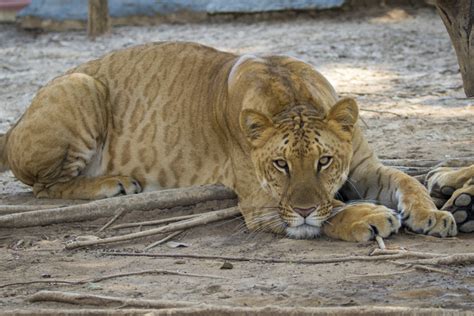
(302, 157)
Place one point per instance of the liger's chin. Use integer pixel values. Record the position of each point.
(303, 231)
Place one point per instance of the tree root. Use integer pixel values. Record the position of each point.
(101, 300)
(376, 255)
(193, 222)
(79, 312)
(454, 259)
(166, 307)
(391, 256)
(113, 276)
(109, 207)
(411, 254)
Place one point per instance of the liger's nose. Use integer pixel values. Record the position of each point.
(304, 212)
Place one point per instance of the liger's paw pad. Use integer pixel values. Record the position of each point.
(461, 205)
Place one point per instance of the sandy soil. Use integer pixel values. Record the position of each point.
(396, 61)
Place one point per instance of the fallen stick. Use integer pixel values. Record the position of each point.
(12, 209)
(155, 222)
(108, 207)
(159, 242)
(102, 300)
(201, 220)
(112, 276)
(399, 255)
(112, 220)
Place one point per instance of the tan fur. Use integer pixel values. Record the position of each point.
(177, 114)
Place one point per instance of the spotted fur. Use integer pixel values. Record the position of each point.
(175, 114)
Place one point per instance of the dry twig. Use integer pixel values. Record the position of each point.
(383, 112)
(12, 209)
(201, 220)
(380, 242)
(112, 220)
(159, 242)
(155, 222)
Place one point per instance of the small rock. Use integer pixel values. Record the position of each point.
(174, 244)
(227, 266)
(46, 275)
(93, 286)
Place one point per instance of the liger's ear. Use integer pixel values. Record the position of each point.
(257, 127)
(345, 113)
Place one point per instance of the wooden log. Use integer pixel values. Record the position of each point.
(458, 17)
(108, 207)
(98, 20)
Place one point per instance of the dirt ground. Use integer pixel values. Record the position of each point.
(396, 62)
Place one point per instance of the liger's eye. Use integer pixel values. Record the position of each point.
(324, 161)
(281, 165)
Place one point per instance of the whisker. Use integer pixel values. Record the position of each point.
(349, 180)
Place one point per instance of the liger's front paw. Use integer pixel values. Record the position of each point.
(431, 222)
(382, 223)
(362, 222)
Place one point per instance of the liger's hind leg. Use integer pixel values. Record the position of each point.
(60, 137)
(82, 187)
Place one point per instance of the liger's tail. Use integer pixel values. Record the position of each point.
(3, 154)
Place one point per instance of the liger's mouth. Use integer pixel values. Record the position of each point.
(303, 231)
